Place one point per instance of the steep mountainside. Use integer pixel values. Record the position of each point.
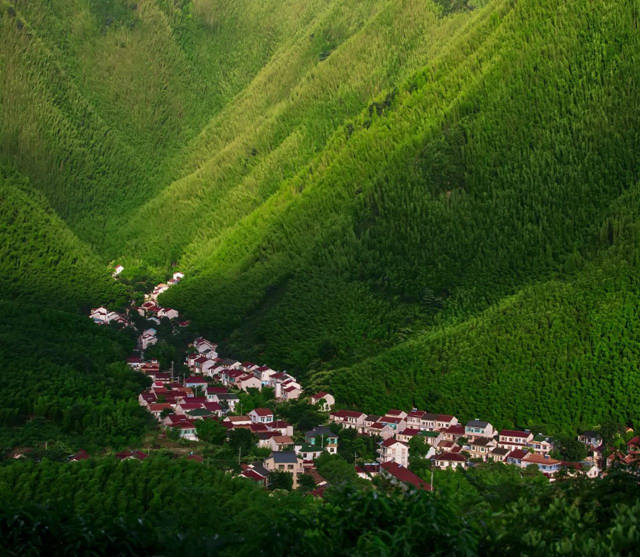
(405, 201)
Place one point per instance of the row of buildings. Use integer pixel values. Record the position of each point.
(455, 445)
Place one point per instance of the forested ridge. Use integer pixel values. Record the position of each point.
(406, 202)
(367, 193)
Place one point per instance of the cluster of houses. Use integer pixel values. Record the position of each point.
(204, 360)
(102, 316)
(455, 445)
(180, 405)
(208, 394)
(149, 309)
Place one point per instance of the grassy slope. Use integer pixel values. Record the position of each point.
(63, 377)
(559, 354)
(327, 72)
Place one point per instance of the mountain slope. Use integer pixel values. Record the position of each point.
(42, 261)
(368, 193)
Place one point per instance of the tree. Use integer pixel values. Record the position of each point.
(569, 448)
(301, 414)
(306, 483)
(335, 469)
(280, 480)
(211, 431)
(418, 449)
(241, 441)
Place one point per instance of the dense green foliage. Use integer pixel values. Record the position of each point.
(42, 261)
(165, 506)
(64, 381)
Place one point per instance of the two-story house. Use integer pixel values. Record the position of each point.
(392, 450)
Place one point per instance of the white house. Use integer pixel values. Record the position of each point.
(479, 428)
(247, 381)
(349, 418)
(261, 416)
(196, 382)
(324, 401)
(392, 450)
(168, 313)
(147, 338)
(449, 460)
(431, 422)
(514, 439)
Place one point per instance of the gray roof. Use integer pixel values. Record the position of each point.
(257, 467)
(477, 423)
(284, 457)
(227, 396)
(321, 430)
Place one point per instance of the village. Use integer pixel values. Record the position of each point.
(211, 392)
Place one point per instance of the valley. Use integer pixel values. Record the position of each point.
(426, 210)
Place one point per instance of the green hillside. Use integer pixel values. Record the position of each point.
(426, 202)
(42, 261)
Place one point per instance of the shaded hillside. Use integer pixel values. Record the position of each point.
(365, 192)
(42, 261)
(98, 95)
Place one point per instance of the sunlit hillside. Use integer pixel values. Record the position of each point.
(405, 201)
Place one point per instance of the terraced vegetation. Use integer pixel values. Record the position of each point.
(404, 201)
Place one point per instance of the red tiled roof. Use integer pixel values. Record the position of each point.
(320, 395)
(391, 441)
(390, 420)
(278, 424)
(194, 379)
(191, 405)
(539, 459)
(514, 433)
(517, 454)
(394, 412)
(80, 455)
(217, 389)
(454, 430)
(195, 457)
(450, 457)
(405, 475)
(131, 454)
(347, 414)
(251, 474)
(410, 431)
(263, 411)
(416, 414)
(446, 418)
